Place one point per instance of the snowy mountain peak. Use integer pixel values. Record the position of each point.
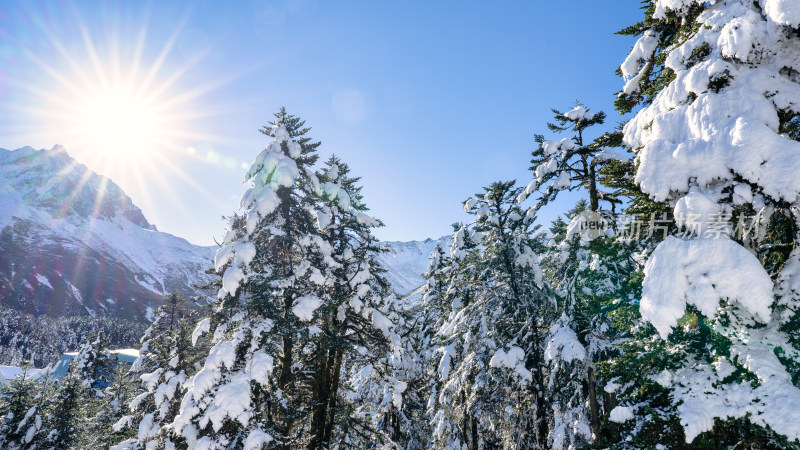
(53, 181)
(73, 243)
(407, 261)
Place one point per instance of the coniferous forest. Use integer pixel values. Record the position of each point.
(659, 311)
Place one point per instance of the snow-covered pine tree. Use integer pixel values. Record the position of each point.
(66, 413)
(357, 347)
(248, 392)
(167, 358)
(489, 386)
(570, 386)
(717, 139)
(22, 407)
(583, 272)
(94, 365)
(73, 405)
(109, 409)
(268, 379)
(420, 319)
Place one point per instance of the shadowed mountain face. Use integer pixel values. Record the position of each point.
(72, 243)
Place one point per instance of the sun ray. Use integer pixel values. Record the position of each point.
(99, 197)
(137, 53)
(74, 194)
(156, 66)
(99, 69)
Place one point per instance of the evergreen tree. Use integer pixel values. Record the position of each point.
(110, 409)
(22, 408)
(488, 391)
(715, 139)
(419, 323)
(355, 330)
(72, 407)
(583, 266)
(66, 420)
(297, 293)
(167, 358)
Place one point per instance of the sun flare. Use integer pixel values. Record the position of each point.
(121, 123)
(124, 102)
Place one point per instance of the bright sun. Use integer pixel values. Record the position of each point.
(113, 105)
(126, 105)
(120, 122)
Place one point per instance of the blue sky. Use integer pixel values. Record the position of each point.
(426, 101)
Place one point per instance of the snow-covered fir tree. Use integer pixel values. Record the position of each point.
(67, 413)
(295, 305)
(356, 348)
(581, 265)
(421, 318)
(166, 359)
(109, 409)
(716, 139)
(73, 405)
(23, 404)
(488, 391)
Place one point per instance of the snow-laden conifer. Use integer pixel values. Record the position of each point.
(717, 140)
(73, 404)
(355, 351)
(23, 405)
(296, 304)
(422, 314)
(166, 359)
(488, 384)
(582, 263)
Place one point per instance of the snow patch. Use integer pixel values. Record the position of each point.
(621, 414)
(702, 272)
(305, 307)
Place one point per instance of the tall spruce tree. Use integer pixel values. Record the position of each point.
(166, 359)
(23, 406)
(420, 320)
(109, 409)
(488, 391)
(583, 270)
(73, 405)
(357, 346)
(298, 287)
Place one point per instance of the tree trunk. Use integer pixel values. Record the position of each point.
(594, 407)
(285, 377)
(337, 370)
(474, 434)
(594, 203)
(320, 399)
